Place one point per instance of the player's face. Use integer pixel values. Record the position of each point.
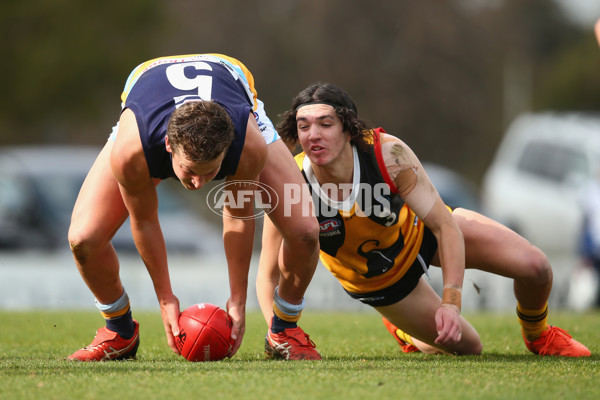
(320, 133)
(193, 175)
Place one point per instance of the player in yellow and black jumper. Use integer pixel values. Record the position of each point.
(382, 223)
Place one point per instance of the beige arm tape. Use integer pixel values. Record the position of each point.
(452, 296)
(407, 172)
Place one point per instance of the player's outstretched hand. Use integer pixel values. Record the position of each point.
(169, 311)
(447, 320)
(237, 312)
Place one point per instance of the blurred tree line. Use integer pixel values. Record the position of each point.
(445, 76)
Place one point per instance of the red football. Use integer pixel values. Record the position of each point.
(205, 333)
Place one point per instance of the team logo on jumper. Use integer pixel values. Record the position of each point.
(231, 198)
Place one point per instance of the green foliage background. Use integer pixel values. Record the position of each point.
(435, 73)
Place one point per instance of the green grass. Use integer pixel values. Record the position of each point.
(361, 361)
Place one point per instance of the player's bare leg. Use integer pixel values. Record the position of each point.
(298, 255)
(492, 247)
(98, 213)
(415, 315)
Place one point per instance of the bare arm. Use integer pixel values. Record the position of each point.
(139, 195)
(238, 227)
(421, 196)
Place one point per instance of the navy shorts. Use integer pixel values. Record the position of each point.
(399, 290)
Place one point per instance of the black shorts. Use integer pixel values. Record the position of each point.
(399, 290)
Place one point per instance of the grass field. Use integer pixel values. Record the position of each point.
(361, 361)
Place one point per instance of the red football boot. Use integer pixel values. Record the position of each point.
(557, 342)
(291, 344)
(108, 345)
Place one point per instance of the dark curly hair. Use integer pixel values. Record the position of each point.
(326, 93)
(201, 129)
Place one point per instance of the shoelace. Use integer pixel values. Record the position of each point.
(309, 342)
(553, 333)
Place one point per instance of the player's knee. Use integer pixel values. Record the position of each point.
(473, 347)
(470, 344)
(305, 236)
(78, 249)
(80, 244)
(310, 234)
(476, 349)
(539, 269)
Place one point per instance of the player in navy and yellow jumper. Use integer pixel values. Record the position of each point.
(382, 223)
(193, 118)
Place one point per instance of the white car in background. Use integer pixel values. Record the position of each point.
(534, 184)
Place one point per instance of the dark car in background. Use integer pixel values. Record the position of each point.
(38, 188)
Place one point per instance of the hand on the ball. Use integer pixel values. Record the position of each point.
(237, 312)
(169, 311)
(447, 320)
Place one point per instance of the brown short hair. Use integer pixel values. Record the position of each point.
(201, 129)
(334, 96)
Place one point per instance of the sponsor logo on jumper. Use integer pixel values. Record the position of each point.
(329, 225)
